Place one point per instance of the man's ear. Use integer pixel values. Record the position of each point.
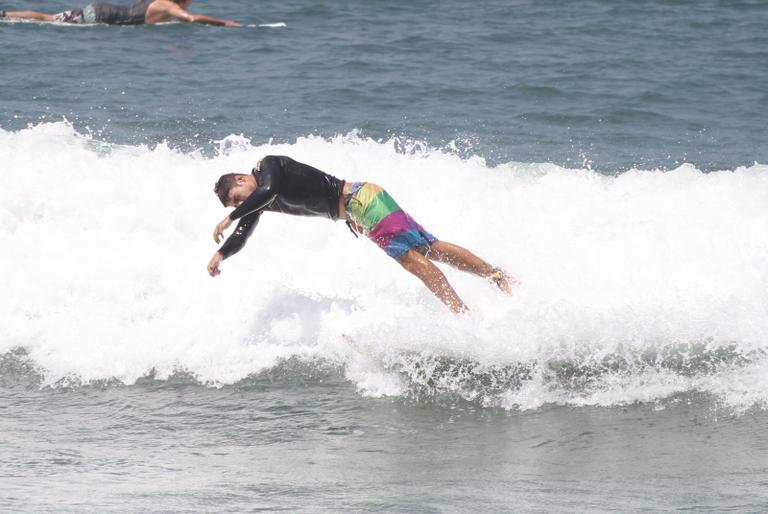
(240, 179)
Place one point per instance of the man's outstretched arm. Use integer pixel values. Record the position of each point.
(234, 243)
(171, 9)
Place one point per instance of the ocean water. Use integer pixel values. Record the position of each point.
(611, 156)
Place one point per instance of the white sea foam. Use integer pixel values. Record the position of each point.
(105, 248)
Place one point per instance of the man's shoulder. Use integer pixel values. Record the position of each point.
(272, 158)
(273, 163)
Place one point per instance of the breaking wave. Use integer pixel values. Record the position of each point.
(635, 287)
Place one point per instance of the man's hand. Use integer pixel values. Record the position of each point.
(218, 232)
(213, 265)
(231, 24)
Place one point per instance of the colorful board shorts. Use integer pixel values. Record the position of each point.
(375, 213)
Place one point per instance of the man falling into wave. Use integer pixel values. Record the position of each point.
(281, 184)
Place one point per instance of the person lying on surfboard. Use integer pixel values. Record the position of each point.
(136, 13)
(281, 184)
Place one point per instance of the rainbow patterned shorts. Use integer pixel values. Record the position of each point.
(375, 213)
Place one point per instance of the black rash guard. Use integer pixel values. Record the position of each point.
(133, 14)
(286, 186)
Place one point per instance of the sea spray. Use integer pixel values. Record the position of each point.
(627, 281)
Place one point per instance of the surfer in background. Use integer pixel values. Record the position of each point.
(281, 184)
(136, 13)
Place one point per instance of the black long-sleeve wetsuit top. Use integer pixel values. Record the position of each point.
(286, 186)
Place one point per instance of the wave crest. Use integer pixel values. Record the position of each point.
(654, 261)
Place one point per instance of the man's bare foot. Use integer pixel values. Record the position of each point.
(503, 281)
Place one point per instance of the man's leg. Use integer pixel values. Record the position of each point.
(29, 15)
(433, 278)
(464, 260)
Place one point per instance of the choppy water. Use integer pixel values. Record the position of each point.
(651, 84)
(612, 156)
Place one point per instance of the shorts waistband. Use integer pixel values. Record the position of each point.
(354, 187)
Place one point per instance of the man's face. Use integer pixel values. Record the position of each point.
(240, 191)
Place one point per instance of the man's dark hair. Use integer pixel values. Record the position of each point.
(223, 185)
